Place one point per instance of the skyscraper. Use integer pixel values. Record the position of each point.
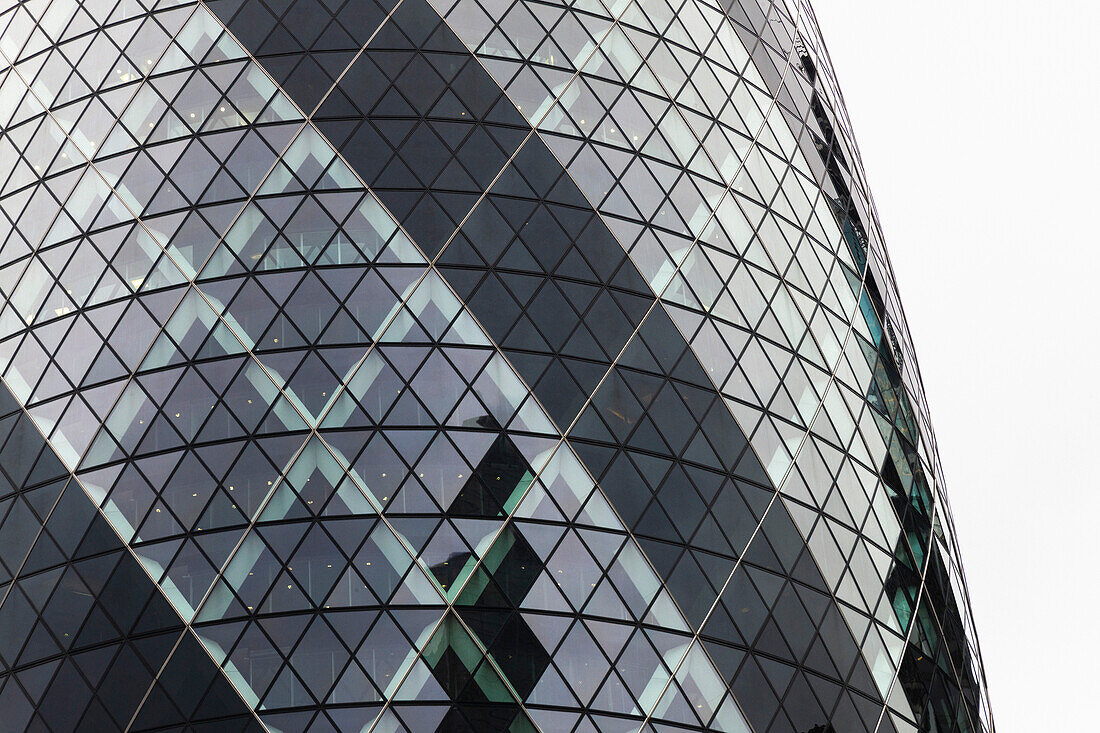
(409, 365)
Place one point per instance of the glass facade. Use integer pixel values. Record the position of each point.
(495, 365)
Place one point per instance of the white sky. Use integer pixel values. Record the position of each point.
(978, 126)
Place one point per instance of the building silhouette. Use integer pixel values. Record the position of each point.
(395, 365)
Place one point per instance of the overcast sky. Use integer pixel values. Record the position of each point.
(978, 126)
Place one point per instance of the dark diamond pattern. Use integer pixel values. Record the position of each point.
(422, 122)
(408, 366)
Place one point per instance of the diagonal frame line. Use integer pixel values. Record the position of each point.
(222, 320)
(322, 417)
(431, 267)
(566, 86)
(238, 336)
(839, 109)
(98, 509)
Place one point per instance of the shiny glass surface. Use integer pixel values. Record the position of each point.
(409, 365)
